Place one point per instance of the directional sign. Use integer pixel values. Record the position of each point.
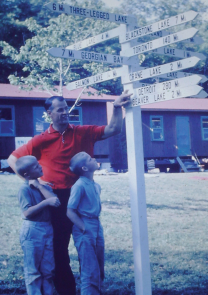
(160, 42)
(161, 25)
(176, 75)
(90, 13)
(167, 85)
(89, 56)
(195, 40)
(166, 95)
(174, 52)
(117, 72)
(159, 70)
(95, 39)
(202, 94)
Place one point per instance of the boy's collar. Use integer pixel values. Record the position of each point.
(86, 179)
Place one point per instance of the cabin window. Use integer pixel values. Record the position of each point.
(7, 126)
(204, 127)
(75, 118)
(156, 124)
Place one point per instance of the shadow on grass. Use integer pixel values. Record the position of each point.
(119, 281)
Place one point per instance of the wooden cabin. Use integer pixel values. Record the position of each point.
(171, 129)
(21, 116)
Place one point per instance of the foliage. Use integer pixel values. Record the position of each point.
(28, 31)
(38, 67)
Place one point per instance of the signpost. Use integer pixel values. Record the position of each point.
(109, 75)
(141, 99)
(195, 40)
(174, 52)
(130, 73)
(159, 70)
(158, 26)
(89, 56)
(95, 39)
(175, 75)
(160, 42)
(90, 13)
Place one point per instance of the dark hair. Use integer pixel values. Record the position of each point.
(48, 102)
(23, 164)
(77, 162)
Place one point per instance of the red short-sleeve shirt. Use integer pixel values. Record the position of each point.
(54, 151)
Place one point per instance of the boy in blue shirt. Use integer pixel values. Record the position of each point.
(36, 235)
(83, 210)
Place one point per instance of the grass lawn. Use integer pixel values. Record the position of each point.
(177, 212)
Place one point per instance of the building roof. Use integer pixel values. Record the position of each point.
(13, 92)
(179, 104)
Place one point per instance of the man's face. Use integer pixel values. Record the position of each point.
(35, 171)
(59, 112)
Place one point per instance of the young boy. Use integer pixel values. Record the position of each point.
(36, 235)
(84, 209)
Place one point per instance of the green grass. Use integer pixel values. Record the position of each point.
(177, 212)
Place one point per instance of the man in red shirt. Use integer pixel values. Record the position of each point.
(54, 148)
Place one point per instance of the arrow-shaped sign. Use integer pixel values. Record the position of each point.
(159, 70)
(167, 85)
(195, 40)
(89, 56)
(160, 25)
(165, 95)
(201, 94)
(160, 42)
(90, 13)
(174, 52)
(117, 72)
(176, 75)
(95, 39)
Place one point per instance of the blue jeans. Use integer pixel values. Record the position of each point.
(36, 239)
(90, 248)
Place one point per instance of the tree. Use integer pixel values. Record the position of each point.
(38, 67)
(12, 13)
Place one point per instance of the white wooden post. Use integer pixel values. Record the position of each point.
(137, 188)
(138, 201)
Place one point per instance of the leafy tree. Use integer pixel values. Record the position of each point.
(12, 31)
(38, 67)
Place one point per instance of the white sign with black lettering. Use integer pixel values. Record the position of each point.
(176, 75)
(167, 85)
(170, 51)
(160, 25)
(89, 56)
(159, 70)
(165, 95)
(90, 13)
(194, 40)
(117, 72)
(95, 39)
(160, 42)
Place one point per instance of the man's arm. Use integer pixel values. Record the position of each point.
(33, 210)
(72, 215)
(115, 125)
(11, 161)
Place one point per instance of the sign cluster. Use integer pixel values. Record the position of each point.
(159, 46)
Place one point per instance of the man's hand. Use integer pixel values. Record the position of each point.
(122, 100)
(53, 201)
(34, 183)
